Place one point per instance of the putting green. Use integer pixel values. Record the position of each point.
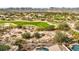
(23, 23)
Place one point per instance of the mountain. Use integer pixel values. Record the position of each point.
(51, 9)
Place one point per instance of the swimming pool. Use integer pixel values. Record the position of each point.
(42, 49)
(75, 48)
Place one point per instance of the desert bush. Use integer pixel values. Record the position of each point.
(48, 28)
(77, 25)
(26, 35)
(37, 35)
(4, 47)
(63, 26)
(59, 37)
(19, 42)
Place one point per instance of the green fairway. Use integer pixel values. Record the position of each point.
(23, 23)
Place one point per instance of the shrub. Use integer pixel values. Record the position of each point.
(4, 47)
(77, 25)
(78, 41)
(50, 28)
(63, 26)
(26, 35)
(67, 40)
(19, 26)
(40, 29)
(59, 37)
(59, 17)
(37, 35)
(19, 42)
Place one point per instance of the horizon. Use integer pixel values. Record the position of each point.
(38, 7)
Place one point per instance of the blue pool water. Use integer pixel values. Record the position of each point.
(75, 48)
(42, 49)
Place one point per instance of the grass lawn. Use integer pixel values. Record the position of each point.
(23, 23)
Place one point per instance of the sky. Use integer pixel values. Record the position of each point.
(39, 3)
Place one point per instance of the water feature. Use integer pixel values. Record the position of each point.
(75, 48)
(42, 49)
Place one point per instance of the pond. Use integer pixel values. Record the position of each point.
(75, 48)
(42, 49)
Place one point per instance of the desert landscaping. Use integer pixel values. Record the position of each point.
(39, 31)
